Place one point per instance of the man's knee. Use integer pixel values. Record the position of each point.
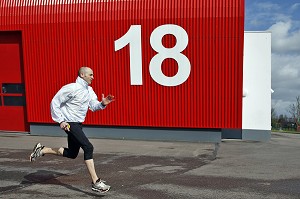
(88, 151)
(69, 153)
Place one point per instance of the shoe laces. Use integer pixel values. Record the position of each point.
(99, 180)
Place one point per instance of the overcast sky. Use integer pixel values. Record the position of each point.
(282, 18)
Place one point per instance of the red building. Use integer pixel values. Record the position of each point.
(173, 64)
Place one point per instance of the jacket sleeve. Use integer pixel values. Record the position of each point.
(94, 104)
(61, 97)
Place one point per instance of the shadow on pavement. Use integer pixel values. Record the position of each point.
(49, 178)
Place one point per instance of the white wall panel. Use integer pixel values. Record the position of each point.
(257, 81)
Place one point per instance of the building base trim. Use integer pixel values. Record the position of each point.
(247, 134)
(256, 135)
(135, 133)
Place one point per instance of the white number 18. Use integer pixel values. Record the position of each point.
(133, 38)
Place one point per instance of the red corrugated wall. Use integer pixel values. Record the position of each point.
(62, 35)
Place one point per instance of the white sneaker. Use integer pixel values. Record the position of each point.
(36, 152)
(100, 186)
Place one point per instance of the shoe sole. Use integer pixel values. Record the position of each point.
(34, 151)
(98, 190)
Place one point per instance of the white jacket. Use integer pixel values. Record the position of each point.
(71, 102)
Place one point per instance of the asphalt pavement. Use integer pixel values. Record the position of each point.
(150, 170)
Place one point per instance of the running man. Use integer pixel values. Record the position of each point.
(69, 108)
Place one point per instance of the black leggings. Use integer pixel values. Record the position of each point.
(77, 139)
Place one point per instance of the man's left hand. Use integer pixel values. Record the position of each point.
(108, 99)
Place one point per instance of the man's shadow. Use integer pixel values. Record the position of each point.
(50, 178)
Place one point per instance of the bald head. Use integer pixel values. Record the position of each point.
(86, 73)
(82, 70)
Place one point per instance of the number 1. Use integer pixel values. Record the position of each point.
(134, 39)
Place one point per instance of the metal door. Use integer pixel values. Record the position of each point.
(12, 96)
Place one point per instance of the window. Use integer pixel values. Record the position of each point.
(14, 101)
(12, 94)
(13, 88)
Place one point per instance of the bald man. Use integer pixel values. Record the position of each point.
(68, 108)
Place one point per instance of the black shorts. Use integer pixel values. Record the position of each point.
(76, 140)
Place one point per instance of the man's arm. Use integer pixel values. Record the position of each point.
(95, 104)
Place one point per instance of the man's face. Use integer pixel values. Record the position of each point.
(88, 76)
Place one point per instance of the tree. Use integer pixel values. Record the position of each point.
(274, 118)
(294, 110)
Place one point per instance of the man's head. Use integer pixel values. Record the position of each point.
(86, 73)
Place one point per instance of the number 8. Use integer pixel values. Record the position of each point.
(184, 65)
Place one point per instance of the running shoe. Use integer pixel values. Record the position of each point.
(100, 186)
(36, 152)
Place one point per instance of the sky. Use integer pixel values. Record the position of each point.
(282, 18)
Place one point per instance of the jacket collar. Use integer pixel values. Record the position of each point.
(82, 82)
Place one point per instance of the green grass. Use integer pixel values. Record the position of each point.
(286, 131)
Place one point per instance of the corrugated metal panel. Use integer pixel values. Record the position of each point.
(60, 36)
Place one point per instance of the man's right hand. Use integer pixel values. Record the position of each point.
(65, 126)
